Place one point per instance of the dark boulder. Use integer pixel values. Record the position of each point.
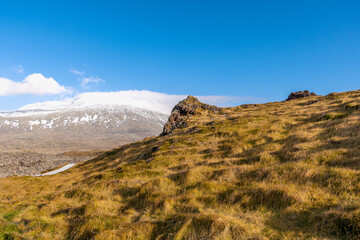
(300, 94)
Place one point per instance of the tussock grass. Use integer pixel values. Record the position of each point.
(284, 170)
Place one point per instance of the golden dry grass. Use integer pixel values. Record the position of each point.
(284, 170)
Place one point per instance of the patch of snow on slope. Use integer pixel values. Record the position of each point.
(11, 124)
(64, 168)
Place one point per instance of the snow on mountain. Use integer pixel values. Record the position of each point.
(104, 115)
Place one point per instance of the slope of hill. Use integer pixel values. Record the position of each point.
(283, 170)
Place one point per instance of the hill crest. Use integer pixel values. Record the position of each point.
(283, 170)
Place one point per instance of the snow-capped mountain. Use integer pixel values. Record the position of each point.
(88, 121)
(113, 118)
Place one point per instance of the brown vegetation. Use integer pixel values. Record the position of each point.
(288, 170)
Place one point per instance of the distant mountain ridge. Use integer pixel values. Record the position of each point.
(89, 121)
(100, 117)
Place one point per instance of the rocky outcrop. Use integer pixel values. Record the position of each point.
(183, 110)
(300, 94)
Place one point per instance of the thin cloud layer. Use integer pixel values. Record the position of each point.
(77, 72)
(35, 84)
(149, 100)
(229, 101)
(18, 69)
(87, 80)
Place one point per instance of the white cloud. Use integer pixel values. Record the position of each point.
(154, 101)
(228, 101)
(18, 69)
(87, 80)
(35, 84)
(77, 72)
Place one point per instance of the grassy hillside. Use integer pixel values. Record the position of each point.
(284, 170)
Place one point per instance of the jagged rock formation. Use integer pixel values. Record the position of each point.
(300, 94)
(183, 110)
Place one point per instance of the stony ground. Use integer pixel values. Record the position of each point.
(30, 163)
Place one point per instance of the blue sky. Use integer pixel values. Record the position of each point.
(256, 49)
